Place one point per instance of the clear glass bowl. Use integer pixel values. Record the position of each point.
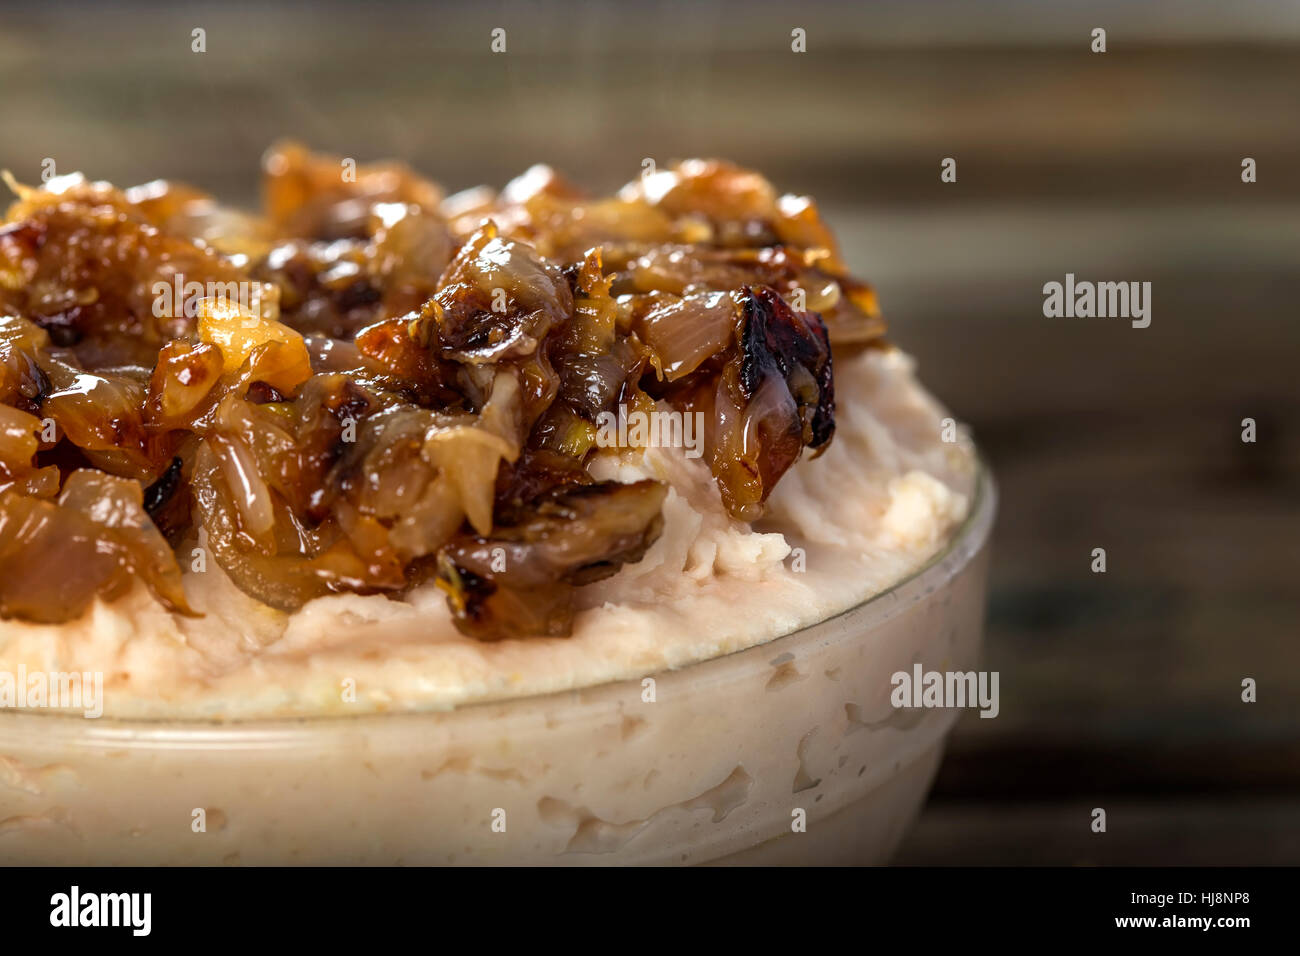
(788, 752)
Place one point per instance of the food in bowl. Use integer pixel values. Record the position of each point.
(382, 451)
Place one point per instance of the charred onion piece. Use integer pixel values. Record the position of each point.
(774, 397)
(497, 301)
(520, 579)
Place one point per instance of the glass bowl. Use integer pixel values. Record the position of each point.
(787, 752)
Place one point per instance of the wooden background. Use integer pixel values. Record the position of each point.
(1119, 690)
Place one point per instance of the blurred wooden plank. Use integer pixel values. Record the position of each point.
(596, 92)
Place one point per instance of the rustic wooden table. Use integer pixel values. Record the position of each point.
(1119, 690)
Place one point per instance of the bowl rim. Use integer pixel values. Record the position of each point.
(965, 543)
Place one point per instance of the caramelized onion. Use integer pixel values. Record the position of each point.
(56, 557)
(22, 381)
(103, 415)
(497, 300)
(774, 397)
(685, 332)
(19, 444)
(371, 385)
(520, 579)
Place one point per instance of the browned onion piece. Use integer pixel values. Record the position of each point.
(310, 195)
(719, 190)
(306, 563)
(497, 300)
(685, 332)
(181, 387)
(774, 397)
(847, 306)
(104, 417)
(19, 444)
(519, 580)
(95, 541)
(22, 381)
(185, 211)
(389, 348)
(101, 276)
